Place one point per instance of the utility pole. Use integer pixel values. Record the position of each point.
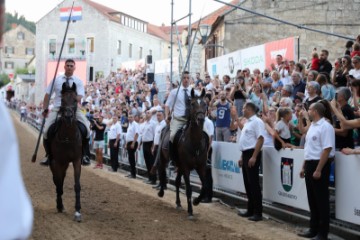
(171, 43)
(189, 37)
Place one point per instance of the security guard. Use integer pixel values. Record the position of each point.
(319, 151)
(147, 141)
(251, 141)
(132, 135)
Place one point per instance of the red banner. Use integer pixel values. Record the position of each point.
(80, 70)
(284, 47)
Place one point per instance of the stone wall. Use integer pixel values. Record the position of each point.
(244, 29)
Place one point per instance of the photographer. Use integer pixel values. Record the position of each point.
(98, 127)
(239, 95)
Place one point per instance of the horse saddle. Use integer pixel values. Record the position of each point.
(55, 127)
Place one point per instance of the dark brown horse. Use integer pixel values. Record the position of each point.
(190, 145)
(66, 147)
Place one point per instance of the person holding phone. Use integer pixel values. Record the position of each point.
(238, 93)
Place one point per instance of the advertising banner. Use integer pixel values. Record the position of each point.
(253, 57)
(284, 47)
(225, 65)
(225, 170)
(347, 187)
(80, 70)
(281, 179)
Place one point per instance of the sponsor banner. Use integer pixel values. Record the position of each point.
(163, 66)
(283, 47)
(80, 70)
(75, 15)
(224, 65)
(281, 179)
(225, 170)
(253, 57)
(347, 198)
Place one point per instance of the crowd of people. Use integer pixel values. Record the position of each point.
(284, 97)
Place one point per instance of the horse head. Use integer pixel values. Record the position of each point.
(68, 102)
(198, 108)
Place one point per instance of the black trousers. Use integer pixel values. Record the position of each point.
(251, 182)
(131, 157)
(149, 159)
(318, 197)
(114, 154)
(208, 178)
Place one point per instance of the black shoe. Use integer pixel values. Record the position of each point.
(156, 186)
(308, 234)
(130, 176)
(206, 200)
(245, 214)
(319, 237)
(85, 161)
(45, 162)
(255, 218)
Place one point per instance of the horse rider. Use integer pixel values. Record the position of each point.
(181, 108)
(51, 117)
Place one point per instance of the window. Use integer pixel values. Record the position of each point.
(118, 47)
(145, 28)
(9, 50)
(9, 65)
(52, 46)
(90, 44)
(71, 45)
(29, 51)
(140, 52)
(20, 36)
(150, 52)
(122, 20)
(130, 50)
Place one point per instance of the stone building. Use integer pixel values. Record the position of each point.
(18, 49)
(100, 42)
(239, 29)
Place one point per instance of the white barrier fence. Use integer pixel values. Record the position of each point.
(281, 179)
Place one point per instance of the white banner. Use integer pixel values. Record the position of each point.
(225, 65)
(225, 170)
(253, 57)
(163, 66)
(347, 187)
(281, 179)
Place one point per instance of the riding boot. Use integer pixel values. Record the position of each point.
(171, 155)
(86, 152)
(46, 160)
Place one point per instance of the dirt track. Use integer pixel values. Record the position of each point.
(114, 207)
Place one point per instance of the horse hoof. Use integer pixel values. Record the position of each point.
(161, 193)
(179, 207)
(77, 217)
(196, 202)
(60, 210)
(191, 217)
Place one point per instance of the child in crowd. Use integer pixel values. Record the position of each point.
(315, 61)
(282, 133)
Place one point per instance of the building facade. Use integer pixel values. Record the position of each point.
(18, 49)
(103, 39)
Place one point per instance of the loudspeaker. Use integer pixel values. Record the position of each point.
(91, 74)
(150, 78)
(149, 59)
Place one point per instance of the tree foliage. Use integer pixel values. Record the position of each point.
(10, 19)
(4, 79)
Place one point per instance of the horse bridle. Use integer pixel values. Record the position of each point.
(195, 118)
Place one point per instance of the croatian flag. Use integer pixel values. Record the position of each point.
(75, 16)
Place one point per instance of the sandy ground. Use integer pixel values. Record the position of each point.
(115, 207)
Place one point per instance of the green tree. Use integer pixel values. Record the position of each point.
(10, 19)
(4, 79)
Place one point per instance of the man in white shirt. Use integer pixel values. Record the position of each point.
(209, 130)
(147, 140)
(180, 110)
(114, 133)
(251, 142)
(69, 78)
(155, 108)
(131, 138)
(319, 152)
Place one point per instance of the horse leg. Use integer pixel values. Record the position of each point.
(58, 179)
(162, 179)
(201, 172)
(177, 185)
(188, 194)
(77, 188)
